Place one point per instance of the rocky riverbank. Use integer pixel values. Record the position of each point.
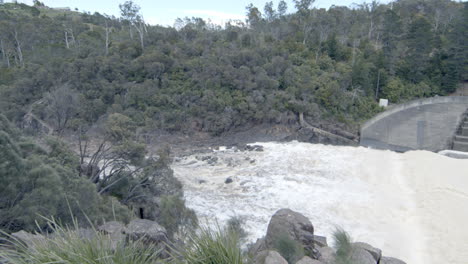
(289, 239)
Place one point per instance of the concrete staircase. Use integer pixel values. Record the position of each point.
(460, 140)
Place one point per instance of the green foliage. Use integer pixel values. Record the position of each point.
(342, 244)
(175, 216)
(68, 246)
(208, 246)
(36, 182)
(290, 249)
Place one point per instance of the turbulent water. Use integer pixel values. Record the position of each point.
(413, 206)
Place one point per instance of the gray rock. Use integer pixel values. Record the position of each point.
(307, 260)
(228, 180)
(257, 247)
(28, 239)
(112, 227)
(361, 256)
(327, 255)
(320, 241)
(269, 257)
(388, 260)
(253, 148)
(148, 231)
(296, 226)
(375, 252)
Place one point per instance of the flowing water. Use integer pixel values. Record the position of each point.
(413, 206)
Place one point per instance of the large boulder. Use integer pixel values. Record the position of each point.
(307, 260)
(375, 252)
(146, 230)
(388, 260)
(269, 257)
(293, 225)
(361, 256)
(326, 255)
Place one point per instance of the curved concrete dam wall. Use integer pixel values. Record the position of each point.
(427, 124)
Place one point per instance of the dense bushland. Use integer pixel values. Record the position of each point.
(330, 64)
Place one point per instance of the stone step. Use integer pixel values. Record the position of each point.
(460, 146)
(461, 138)
(464, 131)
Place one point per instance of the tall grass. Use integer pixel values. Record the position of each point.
(67, 245)
(343, 247)
(210, 246)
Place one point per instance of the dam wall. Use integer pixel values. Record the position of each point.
(426, 124)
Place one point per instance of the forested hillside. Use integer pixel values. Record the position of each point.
(71, 68)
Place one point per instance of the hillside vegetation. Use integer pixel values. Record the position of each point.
(198, 77)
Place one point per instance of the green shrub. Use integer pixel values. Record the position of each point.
(290, 249)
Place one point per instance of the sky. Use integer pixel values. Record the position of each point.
(164, 12)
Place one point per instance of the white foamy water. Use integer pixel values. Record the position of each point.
(413, 206)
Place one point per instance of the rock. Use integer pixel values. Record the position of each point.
(269, 257)
(327, 255)
(296, 226)
(320, 241)
(112, 227)
(228, 180)
(253, 148)
(86, 233)
(257, 247)
(307, 260)
(361, 256)
(375, 252)
(146, 230)
(388, 260)
(115, 230)
(28, 239)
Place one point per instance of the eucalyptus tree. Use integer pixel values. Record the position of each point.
(130, 12)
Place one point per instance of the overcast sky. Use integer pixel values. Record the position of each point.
(164, 12)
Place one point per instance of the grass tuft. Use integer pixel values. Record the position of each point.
(208, 246)
(67, 245)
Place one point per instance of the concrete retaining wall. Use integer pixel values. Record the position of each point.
(427, 124)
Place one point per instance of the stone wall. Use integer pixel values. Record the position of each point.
(428, 124)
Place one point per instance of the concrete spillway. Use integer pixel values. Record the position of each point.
(426, 124)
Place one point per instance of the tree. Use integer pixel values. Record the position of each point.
(131, 12)
(269, 12)
(282, 8)
(419, 40)
(304, 12)
(38, 182)
(253, 16)
(62, 105)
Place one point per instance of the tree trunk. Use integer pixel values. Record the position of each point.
(140, 29)
(4, 55)
(66, 40)
(107, 39)
(18, 50)
(378, 86)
